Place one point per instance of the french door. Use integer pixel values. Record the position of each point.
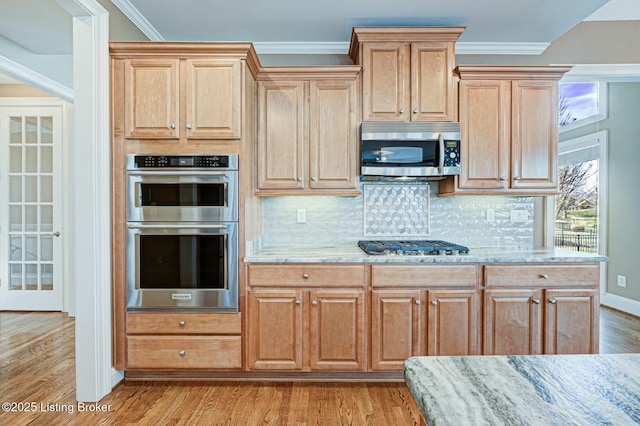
(30, 208)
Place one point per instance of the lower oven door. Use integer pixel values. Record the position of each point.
(182, 266)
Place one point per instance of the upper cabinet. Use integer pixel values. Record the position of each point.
(307, 131)
(180, 91)
(509, 131)
(407, 72)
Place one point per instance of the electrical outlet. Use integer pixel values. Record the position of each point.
(301, 216)
(491, 215)
(519, 216)
(622, 281)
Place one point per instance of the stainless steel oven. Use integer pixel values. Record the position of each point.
(182, 232)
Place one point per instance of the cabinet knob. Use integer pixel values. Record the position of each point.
(536, 301)
(181, 323)
(516, 178)
(298, 302)
(553, 301)
(314, 179)
(305, 276)
(172, 126)
(503, 179)
(401, 110)
(188, 126)
(299, 179)
(417, 302)
(434, 303)
(181, 353)
(415, 110)
(543, 276)
(314, 303)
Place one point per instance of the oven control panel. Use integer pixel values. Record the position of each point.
(218, 161)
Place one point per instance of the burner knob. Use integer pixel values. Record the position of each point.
(386, 251)
(441, 252)
(455, 252)
(399, 252)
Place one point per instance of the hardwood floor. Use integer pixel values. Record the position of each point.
(38, 376)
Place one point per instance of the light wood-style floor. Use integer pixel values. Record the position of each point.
(37, 375)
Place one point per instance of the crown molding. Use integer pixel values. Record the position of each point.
(490, 48)
(606, 72)
(138, 19)
(25, 75)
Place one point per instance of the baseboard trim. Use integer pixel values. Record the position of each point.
(116, 377)
(620, 303)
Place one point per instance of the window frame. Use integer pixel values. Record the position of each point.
(603, 105)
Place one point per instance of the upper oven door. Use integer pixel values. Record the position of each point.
(182, 195)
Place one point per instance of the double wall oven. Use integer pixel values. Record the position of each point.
(182, 232)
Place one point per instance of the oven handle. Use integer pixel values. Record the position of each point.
(171, 173)
(179, 226)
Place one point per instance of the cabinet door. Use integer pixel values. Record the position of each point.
(453, 322)
(152, 99)
(534, 134)
(432, 96)
(385, 82)
(336, 338)
(572, 321)
(397, 330)
(512, 322)
(213, 99)
(485, 132)
(281, 134)
(275, 329)
(333, 141)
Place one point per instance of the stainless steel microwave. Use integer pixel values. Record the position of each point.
(411, 150)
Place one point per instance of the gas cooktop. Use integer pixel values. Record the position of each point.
(411, 248)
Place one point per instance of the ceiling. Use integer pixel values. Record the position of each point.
(43, 27)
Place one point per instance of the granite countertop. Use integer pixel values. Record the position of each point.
(527, 389)
(351, 253)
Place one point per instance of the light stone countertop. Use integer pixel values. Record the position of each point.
(351, 253)
(526, 389)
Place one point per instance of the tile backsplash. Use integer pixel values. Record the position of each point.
(399, 211)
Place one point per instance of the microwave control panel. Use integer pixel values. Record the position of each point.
(451, 154)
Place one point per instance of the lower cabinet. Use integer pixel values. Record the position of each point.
(407, 323)
(545, 309)
(292, 329)
(176, 341)
(422, 310)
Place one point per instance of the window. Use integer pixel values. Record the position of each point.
(581, 103)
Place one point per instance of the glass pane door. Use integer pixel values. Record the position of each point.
(32, 236)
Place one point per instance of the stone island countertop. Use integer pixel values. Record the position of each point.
(526, 389)
(351, 253)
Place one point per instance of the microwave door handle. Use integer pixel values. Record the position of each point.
(441, 143)
(177, 226)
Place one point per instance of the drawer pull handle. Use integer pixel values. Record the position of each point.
(434, 303)
(536, 301)
(181, 353)
(543, 276)
(305, 276)
(417, 302)
(298, 302)
(314, 303)
(553, 301)
(172, 126)
(181, 323)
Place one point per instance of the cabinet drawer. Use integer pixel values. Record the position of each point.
(306, 275)
(202, 352)
(423, 275)
(542, 275)
(183, 323)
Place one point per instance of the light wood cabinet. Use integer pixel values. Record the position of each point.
(535, 309)
(298, 320)
(307, 131)
(177, 98)
(422, 310)
(509, 128)
(176, 341)
(407, 72)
